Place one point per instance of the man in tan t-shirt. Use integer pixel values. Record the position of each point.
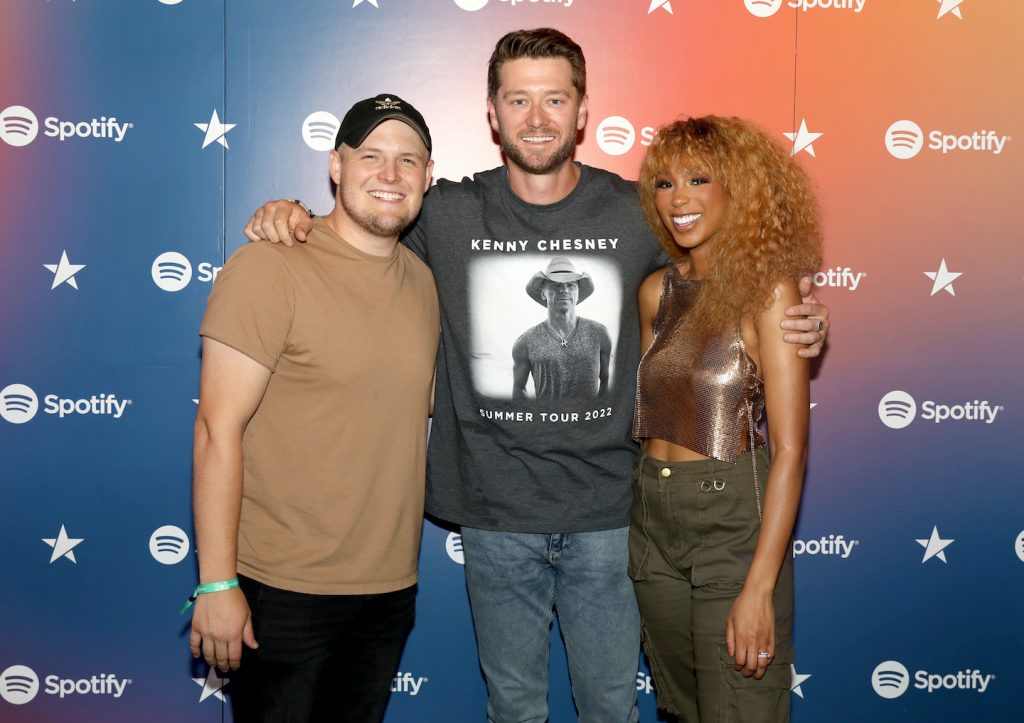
(310, 440)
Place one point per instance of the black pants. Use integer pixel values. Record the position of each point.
(320, 657)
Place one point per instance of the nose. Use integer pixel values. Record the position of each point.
(680, 195)
(389, 170)
(536, 117)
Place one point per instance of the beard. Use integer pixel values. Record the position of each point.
(378, 225)
(532, 164)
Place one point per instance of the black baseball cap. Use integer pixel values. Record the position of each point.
(367, 114)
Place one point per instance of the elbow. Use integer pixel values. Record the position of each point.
(793, 456)
(202, 437)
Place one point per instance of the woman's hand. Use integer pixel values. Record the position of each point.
(749, 630)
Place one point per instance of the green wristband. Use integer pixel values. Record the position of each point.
(208, 587)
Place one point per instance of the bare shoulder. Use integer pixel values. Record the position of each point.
(786, 293)
(650, 287)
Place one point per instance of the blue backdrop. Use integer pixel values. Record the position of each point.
(139, 135)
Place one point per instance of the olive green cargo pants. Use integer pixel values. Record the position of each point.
(693, 529)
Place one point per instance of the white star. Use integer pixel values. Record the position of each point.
(64, 271)
(803, 139)
(949, 7)
(813, 405)
(360, 2)
(655, 4)
(797, 680)
(63, 545)
(943, 279)
(215, 130)
(934, 546)
(213, 685)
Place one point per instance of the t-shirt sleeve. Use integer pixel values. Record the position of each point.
(252, 304)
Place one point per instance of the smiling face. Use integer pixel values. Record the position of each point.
(537, 113)
(381, 183)
(691, 204)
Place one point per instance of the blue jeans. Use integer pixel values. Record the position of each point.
(515, 580)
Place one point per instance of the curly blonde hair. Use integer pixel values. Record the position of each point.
(771, 229)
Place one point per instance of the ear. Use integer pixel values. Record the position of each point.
(492, 114)
(428, 175)
(581, 114)
(335, 166)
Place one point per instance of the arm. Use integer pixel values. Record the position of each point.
(231, 386)
(279, 222)
(804, 318)
(520, 368)
(751, 623)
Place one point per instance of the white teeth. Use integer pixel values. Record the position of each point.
(685, 219)
(538, 139)
(386, 196)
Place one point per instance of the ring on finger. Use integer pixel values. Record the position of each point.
(764, 655)
(821, 326)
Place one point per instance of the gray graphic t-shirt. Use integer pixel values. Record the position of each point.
(544, 461)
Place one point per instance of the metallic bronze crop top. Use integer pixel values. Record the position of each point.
(701, 399)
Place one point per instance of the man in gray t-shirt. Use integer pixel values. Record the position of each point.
(566, 354)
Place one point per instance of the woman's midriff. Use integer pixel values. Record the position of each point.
(668, 452)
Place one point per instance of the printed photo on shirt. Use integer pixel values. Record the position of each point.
(543, 326)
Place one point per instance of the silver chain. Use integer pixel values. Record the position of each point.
(753, 457)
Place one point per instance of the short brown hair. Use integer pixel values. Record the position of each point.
(534, 44)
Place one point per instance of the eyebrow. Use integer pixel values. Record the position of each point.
(543, 91)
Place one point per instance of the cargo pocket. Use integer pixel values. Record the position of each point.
(748, 700)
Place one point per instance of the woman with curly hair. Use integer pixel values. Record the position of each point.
(712, 521)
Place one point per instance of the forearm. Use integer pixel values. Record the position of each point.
(216, 501)
(781, 501)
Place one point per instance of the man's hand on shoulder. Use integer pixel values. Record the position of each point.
(279, 222)
(809, 321)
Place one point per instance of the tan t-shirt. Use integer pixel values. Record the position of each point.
(334, 457)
